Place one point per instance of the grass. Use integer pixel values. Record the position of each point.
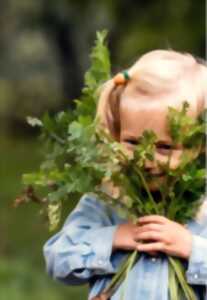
(23, 231)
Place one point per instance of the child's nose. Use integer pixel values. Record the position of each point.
(150, 165)
(174, 163)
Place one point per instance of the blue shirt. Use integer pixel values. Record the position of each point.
(81, 252)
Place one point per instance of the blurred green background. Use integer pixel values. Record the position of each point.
(44, 47)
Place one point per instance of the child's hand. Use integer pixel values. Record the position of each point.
(125, 237)
(168, 236)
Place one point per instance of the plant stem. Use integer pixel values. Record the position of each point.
(180, 274)
(173, 284)
(132, 191)
(55, 137)
(119, 277)
(132, 260)
(147, 189)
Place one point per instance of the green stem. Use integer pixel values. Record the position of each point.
(147, 189)
(55, 137)
(173, 284)
(119, 277)
(180, 274)
(132, 192)
(132, 260)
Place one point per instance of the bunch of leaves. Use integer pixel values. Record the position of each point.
(187, 182)
(61, 176)
(184, 129)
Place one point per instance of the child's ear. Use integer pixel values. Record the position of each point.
(108, 109)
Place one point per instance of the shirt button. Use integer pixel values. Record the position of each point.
(100, 262)
(153, 259)
(196, 276)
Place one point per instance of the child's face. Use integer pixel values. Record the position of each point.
(139, 112)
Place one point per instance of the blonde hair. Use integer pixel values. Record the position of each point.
(154, 72)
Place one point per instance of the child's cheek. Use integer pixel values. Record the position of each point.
(129, 150)
(175, 158)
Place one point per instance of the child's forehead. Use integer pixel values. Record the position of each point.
(135, 121)
(145, 113)
(158, 103)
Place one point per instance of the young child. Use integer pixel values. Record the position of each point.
(92, 243)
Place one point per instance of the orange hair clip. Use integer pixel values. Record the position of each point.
(121, 78)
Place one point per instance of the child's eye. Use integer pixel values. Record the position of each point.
(163, 148)
(131, 142)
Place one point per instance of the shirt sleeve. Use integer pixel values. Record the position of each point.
(83, 248)
(197, 265)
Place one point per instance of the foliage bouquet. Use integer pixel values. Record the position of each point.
(82, 157)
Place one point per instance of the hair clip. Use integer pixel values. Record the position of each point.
(121, 78)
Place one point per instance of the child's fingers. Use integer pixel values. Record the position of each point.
(149, 235)
(148, 227)
(152, 219)
(159, 246)
(133, 245)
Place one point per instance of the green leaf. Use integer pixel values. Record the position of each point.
(132, 259)
(99, 72)
(183, 128)
(54, 214)
(145, 148)
(180, 275)
(75, 130)
(173, 284)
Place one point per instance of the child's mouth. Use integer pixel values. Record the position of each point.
(157, 174)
